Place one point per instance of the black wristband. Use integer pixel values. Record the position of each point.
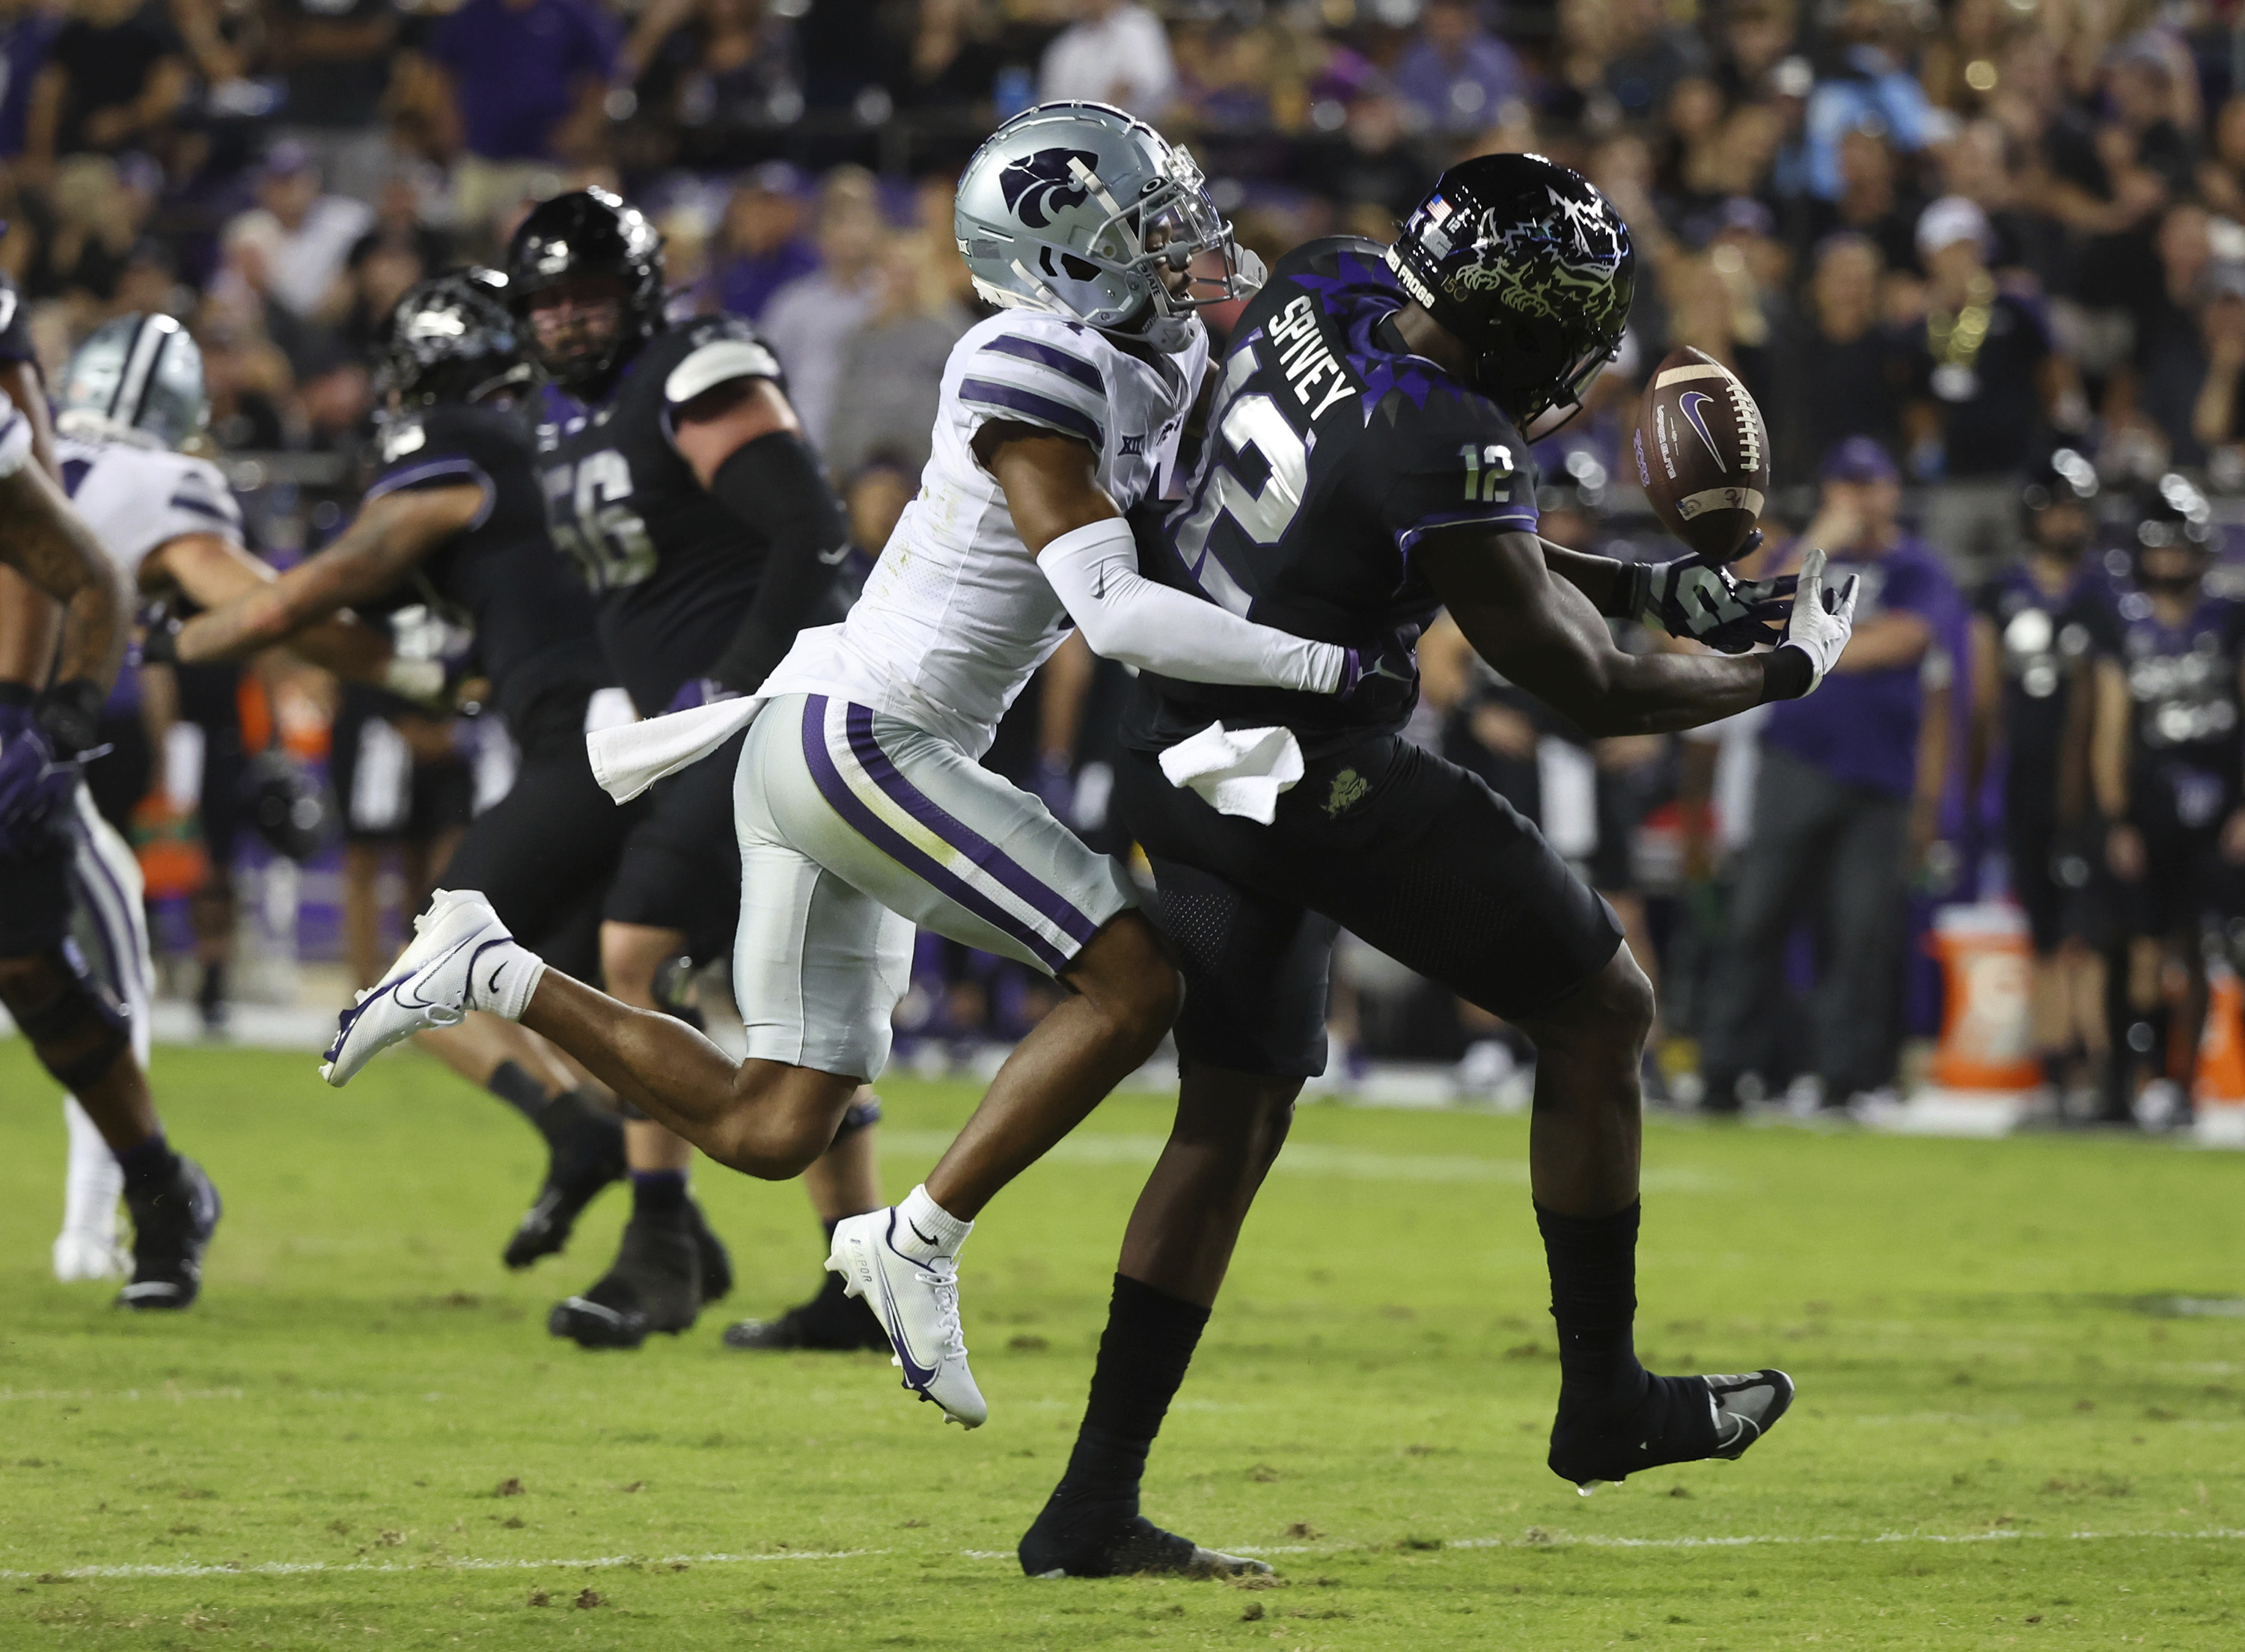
(71, 713)
(1633, 590)
(1787, 673)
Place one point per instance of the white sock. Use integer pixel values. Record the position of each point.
(502, 978)
(928, 1229)
(95, 1182)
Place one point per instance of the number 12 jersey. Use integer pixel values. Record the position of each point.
(1331, 452)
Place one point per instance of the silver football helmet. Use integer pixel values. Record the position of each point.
(138, 379)
(1079, 209)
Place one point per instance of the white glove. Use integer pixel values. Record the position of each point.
(1821, 620)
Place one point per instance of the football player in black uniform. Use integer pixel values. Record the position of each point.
(454, 520)
(2164, 758)
(1366, 465)
(66, 611)
(2033, 654)
(676, 475)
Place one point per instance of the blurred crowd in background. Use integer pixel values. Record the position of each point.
(1938, 242)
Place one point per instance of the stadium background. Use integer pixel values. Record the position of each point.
(2019, 1361)
(276, 174)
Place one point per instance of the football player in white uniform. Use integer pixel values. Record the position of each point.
(860, 807)
(169, 523)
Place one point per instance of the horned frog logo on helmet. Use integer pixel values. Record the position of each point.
(1563, 262)
(1038, 185)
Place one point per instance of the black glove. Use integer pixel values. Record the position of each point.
(70, 715)
(1689, 598)
(160, 641)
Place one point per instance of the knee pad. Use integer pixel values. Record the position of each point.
(76, 1025)
(858, 1116)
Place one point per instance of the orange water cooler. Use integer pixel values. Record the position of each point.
(1985, 1071)
(2217, 1089)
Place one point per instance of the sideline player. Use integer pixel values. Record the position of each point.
(454, 520)
(2164, 758)
(2034, 665)
(1506, 293)
(862, 809)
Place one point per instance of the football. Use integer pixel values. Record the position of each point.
(1703, 453)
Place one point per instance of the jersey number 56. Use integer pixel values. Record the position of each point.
(588, 506)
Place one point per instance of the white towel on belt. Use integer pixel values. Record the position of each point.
(631, 757)
(1241, 771)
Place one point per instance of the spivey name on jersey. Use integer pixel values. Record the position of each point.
(957, 616)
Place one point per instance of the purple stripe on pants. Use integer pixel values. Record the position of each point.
(984, 854)
(876, 831)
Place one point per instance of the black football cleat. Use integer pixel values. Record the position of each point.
(716, 1260)
(1681, 1420)
(585, 1146)
(171, 1227)
(829, 1323)
(1097, 1536)
(654, 1284)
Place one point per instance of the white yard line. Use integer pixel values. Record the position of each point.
(1534, 1538)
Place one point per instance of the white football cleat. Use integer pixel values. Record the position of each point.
(918, 1304)
(428, 986)
(82, 1254)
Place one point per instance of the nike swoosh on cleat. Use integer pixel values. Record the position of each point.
(916, 1375)
(398, 991)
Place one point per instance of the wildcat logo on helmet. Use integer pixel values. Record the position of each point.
(1038, 185)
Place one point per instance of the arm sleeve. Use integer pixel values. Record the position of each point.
(1125, 616)
(774, 484)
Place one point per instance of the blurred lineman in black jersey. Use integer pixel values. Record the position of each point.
(2035, 628)
(2164, 759)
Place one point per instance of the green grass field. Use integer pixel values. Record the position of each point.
(364, 1437)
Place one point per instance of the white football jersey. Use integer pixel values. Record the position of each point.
(137, 499)
(957, 615)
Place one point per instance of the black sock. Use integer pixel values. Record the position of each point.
(149, 1166)
(1149, 1341)
(511, 1083)
(658, 1192)
(1593, 1262)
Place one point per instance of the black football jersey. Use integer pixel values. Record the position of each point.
(532, 617)
(2183, 682)
(1331, 450)
(672, 571)
(2042, 641)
